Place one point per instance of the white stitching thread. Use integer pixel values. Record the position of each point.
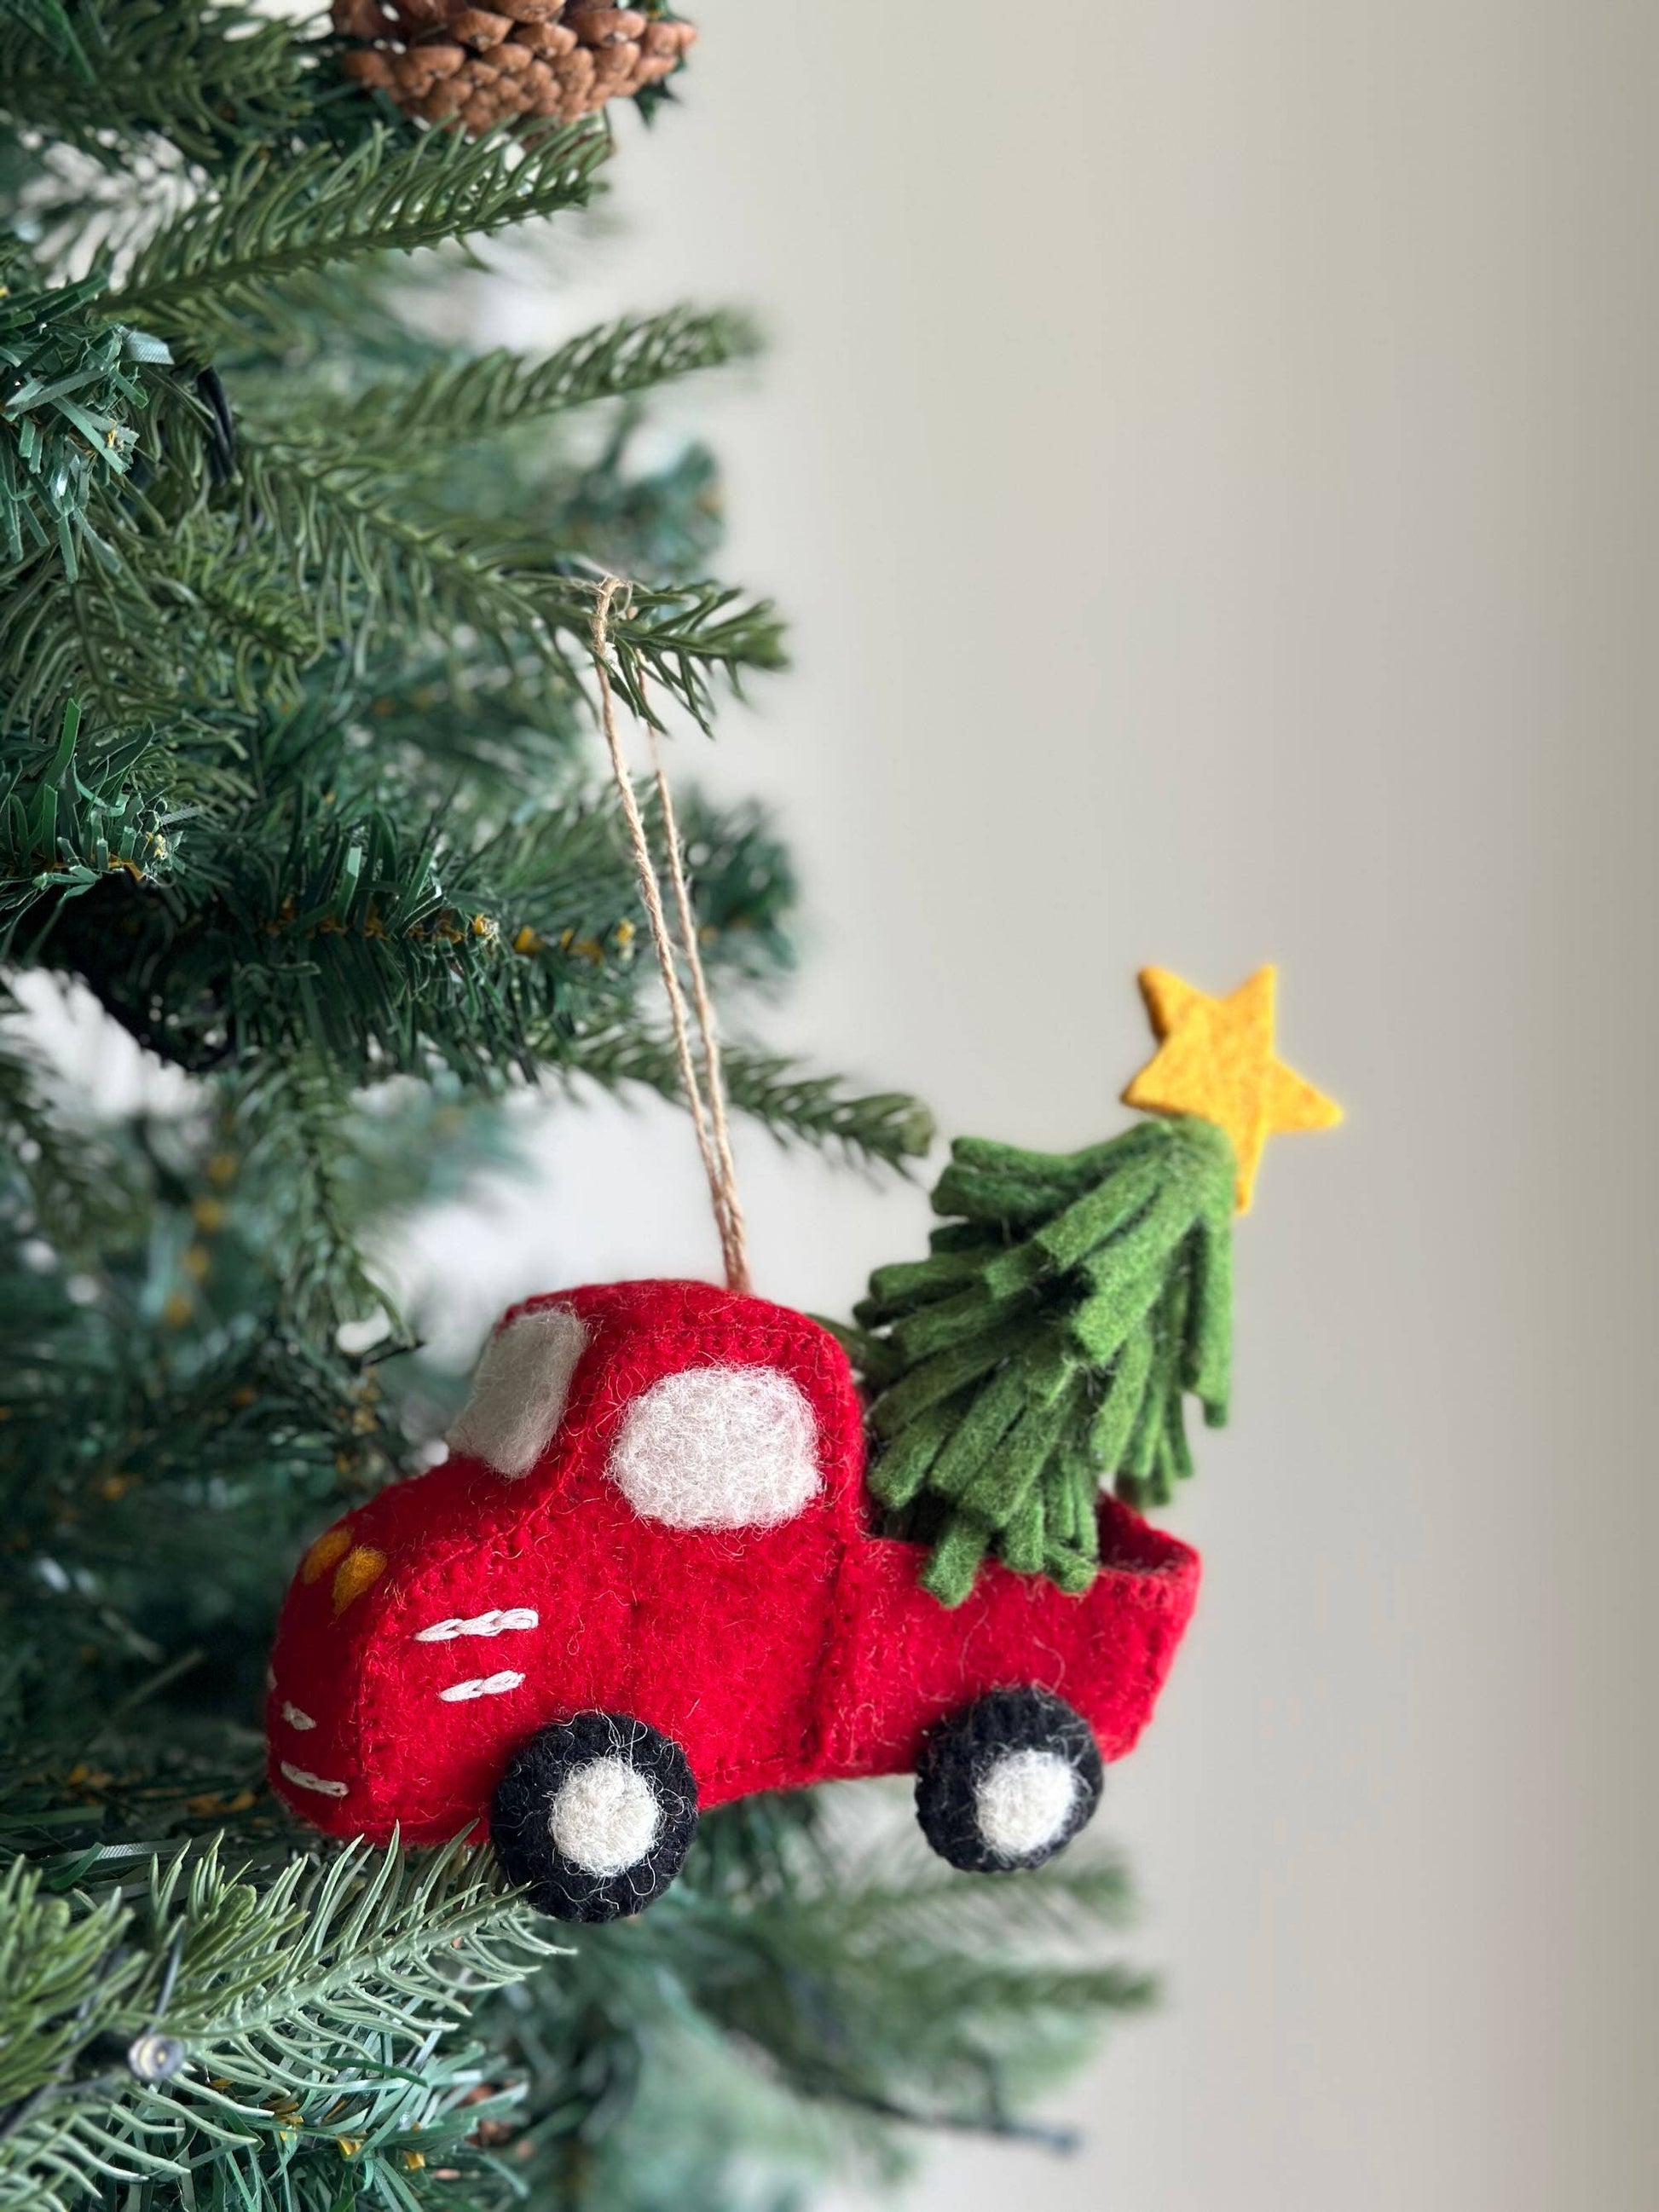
(482, 1624)
(294, 1718)
(301, 1780)
(481, 1686)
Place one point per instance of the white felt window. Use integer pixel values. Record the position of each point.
(519, 1390)
(718, 1448)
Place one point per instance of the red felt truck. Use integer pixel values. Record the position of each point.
(648, 1580)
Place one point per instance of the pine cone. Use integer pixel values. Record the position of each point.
(452, 62)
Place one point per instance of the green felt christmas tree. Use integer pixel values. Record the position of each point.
(1044, 1351)
(298, 782)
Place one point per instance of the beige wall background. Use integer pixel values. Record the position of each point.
(1208, 456)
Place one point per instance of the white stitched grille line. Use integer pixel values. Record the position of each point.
(303, 1780)
(481, 1686)
(481, 1624)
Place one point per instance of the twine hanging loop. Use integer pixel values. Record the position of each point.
(705, 1095)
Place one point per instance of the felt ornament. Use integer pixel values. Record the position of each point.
(652, 1576)
(683, 1597)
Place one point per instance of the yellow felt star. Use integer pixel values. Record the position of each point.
(1215, 1059)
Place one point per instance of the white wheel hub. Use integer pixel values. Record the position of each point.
(1023, 1802)
(605, 1817)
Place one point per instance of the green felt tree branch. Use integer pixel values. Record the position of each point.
(1046, 1346)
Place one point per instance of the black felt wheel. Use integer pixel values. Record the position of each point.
(1007, 1782)
(594, 1816)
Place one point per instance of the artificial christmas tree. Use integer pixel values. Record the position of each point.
(303, 617)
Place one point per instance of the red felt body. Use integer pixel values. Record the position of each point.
(774, 1657)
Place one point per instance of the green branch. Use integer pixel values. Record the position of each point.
(71, 386)
(413, 424)
(226, 257)
(206, 78)
(381, 572)
(884, 1128)
(333, 1970)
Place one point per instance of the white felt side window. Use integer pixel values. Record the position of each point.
(519, 1390)
(718, 1448)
